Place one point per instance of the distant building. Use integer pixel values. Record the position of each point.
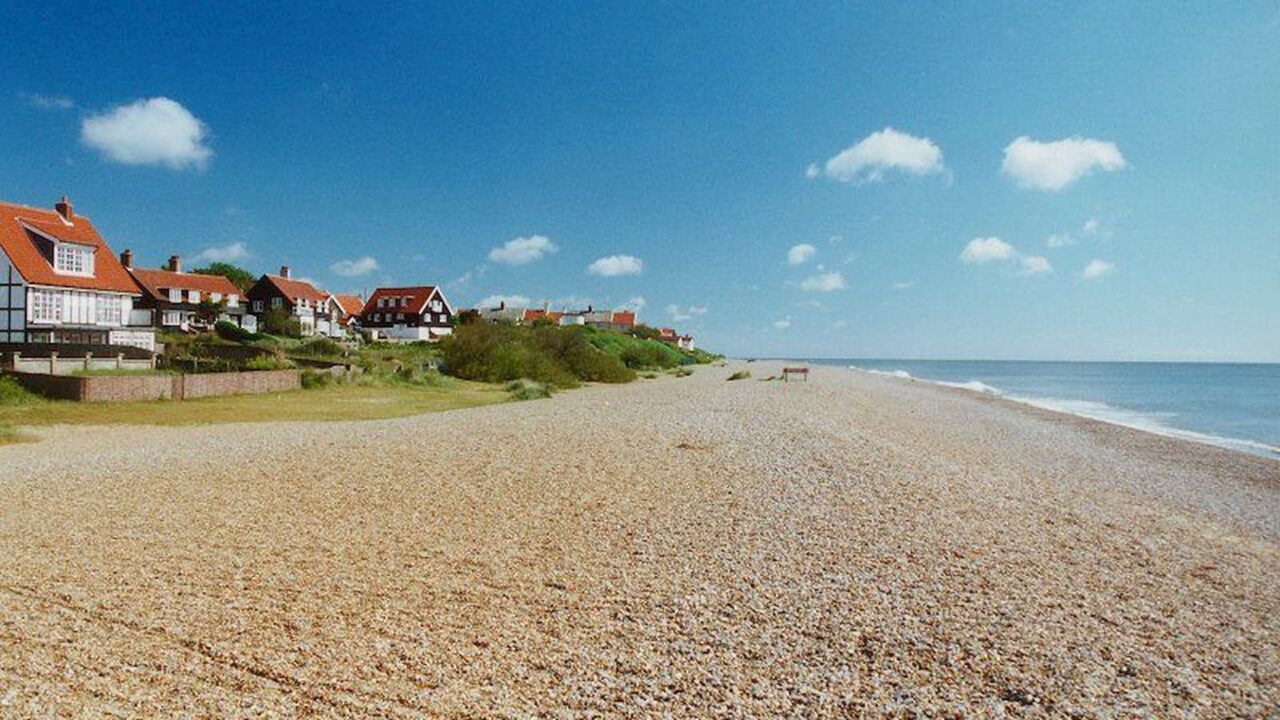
(303, 302)
(620, 320)
(407, 314)
(345, 309)
(671, 337)
(173, 298)
(61, 283)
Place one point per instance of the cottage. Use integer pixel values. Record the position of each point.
(620, 320)
(671, 337)
(303, 302)
(61, 283)
(407, 314)
(345, 309)
(185, 301)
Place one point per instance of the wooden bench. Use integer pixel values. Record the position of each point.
(787, 372)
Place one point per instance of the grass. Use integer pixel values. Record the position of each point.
(740, 375)
(334, 402)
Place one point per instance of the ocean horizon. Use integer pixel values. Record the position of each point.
(1231, 405)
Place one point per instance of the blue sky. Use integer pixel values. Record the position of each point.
(679, 141)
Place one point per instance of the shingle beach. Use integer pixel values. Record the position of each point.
(683, 547)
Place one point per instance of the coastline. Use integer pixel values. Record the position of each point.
(851, 544)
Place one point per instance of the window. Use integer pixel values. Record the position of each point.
(399, 316)
(437, 305)
(382, 302)
(404, 301)
(172, 317)
(257, 306)
(110, 310)
(46, 306)
(233, 300)
(216, 297)
(72, 260)
(277, 302)
(175, 295)
(193, 296)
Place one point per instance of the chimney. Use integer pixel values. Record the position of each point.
(126, 259)
(175, 263)
(284, 271)
(502, 304)
(63, 207)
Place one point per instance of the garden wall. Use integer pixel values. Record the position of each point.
(124, 388)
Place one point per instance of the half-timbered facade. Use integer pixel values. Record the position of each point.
(61, 283)
(407, 314)
(303, 302)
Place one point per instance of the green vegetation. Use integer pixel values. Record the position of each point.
(277, 321)
(740, 375)
(525, 389)
(241, 278)
(561, 357)
(232, 332)
(268, 362)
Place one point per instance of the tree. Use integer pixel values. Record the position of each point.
(276, 321)
(238, 276)
(208, 311)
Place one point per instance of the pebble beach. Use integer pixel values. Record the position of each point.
(850, 546)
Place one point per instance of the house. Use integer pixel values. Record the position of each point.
(303, 302)
(174, 298)
(519, 315)
(671, 337)
(620, 320)
(61, 283)
(407, 314)
(345, 309)
(532, 315)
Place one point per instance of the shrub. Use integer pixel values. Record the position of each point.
(682, 372)
(277, 321)
(740, 375)
(11, 393)
(312, 380)
(320, 347)
(556, 356)
(525, 389)
(268, 362)
(230, 331)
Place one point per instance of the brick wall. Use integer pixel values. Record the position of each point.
(157, 387)
(241, 383)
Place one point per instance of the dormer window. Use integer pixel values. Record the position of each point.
(73, 260)
(175, 295)
(193, 296)
(233, 300)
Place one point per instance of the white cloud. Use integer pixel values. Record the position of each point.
(231, 252)
(981, 250)
(1056, 164)
(157, 131)
(812, 171)
(782, 324)
(882, 151)
(1091, 226)
(677, 314)
(522, 250)
(1097, 269)
(616, 265)
(903, 285)
(352, 268)
(48, 102)
(839, 325)
(800, 254)
(511, 301)
(823, 282)
(635, 302)
(1035, 265)
(1058, 240)
(697, 309)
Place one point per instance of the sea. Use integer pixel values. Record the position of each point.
(1232, 405)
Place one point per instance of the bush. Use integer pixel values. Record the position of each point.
(268, 362)
(312, 380)
(11, 393)
(740, 375)
(557, 356)
(277, 321)
(320, 347)
(230, 331)
(525, 389)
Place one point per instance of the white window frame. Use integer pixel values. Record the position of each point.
(171, 318)
(193, 296)
(233, 300)
(215, 297)
(109, 310)
(70, 259)
(46, 306)
(175, 295)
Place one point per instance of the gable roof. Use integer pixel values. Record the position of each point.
(624, 317)
(17, 225)
(418, 297)
(533, 315)
(295, 290)
(350, 304)
(157, 282)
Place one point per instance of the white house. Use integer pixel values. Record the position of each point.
(61, 283)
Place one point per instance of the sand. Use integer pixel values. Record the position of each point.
(686, 547)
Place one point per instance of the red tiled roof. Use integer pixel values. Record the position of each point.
(35, 268)
(418, 297)
(296, 290)
(158, 282)
(350, 304)
(624, 317)
(548, 315)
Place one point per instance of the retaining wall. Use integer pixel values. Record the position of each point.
(157, 387)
